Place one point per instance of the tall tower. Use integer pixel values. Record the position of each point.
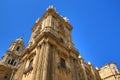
(50, 50)
(52, 34)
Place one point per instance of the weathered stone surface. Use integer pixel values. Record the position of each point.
(109, 72)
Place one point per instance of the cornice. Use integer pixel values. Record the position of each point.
(52, 12)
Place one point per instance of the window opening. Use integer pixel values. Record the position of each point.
(5, 78)
(62, 63)
(18, 48)
(31, 62)
(9, 61)
(12, 61)
(61, 40)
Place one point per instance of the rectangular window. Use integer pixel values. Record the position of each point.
(62, 63)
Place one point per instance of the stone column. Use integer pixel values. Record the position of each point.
(83, 67)
(91, 67)
(45, 64)
(40, 57)
(50, 72)
(21, 70)
(53, 62)
(35, 63)
(11, 78)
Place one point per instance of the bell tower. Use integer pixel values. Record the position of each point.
(50, 50)
(12, 56)
(11, 59)
(52, 36)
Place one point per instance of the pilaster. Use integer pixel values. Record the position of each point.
(83, 67)
(91, 67)
(46, 59)
(39, 63)
(35, 65)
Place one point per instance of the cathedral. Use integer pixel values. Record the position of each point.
(50, 55)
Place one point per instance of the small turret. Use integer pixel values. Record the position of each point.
(51, 7)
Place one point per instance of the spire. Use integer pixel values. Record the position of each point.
(37, 20)
(89, 63)
(19, 39)
(51, 7)
(80, 57)
(66, 19)
(97, 68)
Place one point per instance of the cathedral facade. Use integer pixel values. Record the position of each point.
(50, 54)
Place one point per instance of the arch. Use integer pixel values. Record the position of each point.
(9, 61)
(18, 48)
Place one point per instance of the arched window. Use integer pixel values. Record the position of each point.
(5, 78)
(18, 48)
(12, 61)
(9, 61)
(61, 40)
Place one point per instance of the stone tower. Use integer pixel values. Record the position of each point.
(50, 54)
(11, 59)
(50, 50)
(12, 55)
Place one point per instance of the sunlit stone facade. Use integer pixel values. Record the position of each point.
(109, 72)
(50, 54)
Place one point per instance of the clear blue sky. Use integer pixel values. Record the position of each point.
(96, 25)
